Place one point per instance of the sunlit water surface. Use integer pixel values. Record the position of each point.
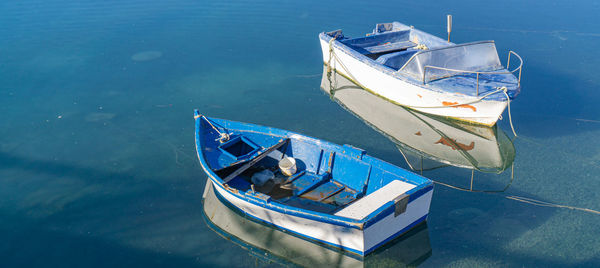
(97, 158)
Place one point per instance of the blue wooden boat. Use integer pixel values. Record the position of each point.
(338, 195)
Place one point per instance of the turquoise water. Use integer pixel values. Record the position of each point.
(97, 158)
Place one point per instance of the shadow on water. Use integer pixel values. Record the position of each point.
(72, 216)
(60, 169)
(30, 243)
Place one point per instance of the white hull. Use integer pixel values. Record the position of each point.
(351, 239)
(414, 96)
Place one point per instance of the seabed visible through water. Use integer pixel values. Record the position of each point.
(97, 158)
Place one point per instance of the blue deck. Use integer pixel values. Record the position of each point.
(381, 43)
(488, 83)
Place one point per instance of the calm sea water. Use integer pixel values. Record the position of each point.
(97, 158)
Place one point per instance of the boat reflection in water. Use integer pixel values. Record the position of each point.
(275, 245)
(426, 142)
(419, 136)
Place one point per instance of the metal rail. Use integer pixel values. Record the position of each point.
(477, 73)
(520, 68)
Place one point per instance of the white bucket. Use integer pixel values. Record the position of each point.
(287, 165)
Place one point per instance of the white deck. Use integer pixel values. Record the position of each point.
(366, 205)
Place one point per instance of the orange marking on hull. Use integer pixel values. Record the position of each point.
(447, 103)
(453, 144)
(419, 96)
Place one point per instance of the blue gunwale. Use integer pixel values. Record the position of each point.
(371, 219)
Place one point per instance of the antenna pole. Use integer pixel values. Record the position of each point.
(449, 25)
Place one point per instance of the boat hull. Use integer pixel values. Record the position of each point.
(397, 90)
(354, 240)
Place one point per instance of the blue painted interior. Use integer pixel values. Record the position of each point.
(350, 171)
(463, 83)
(328, 178)
(396, 60)
(381, 43)
(378, 39)
(238, 147)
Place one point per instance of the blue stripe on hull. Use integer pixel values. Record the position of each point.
(381, 213)
(310, 238)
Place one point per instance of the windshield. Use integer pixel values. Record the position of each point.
(480, 56)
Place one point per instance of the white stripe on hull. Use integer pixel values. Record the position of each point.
(401, 92)
(345, 237)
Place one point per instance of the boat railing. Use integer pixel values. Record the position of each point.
(520, 68)
(477, 73)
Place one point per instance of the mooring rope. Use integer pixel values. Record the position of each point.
(333, 55)
(521, 199)
(504, 90)
(548, 204)
(509, 116)
(223, 136)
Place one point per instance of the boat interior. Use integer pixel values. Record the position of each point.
(326, 180)
(393, 47)
(384, 46)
